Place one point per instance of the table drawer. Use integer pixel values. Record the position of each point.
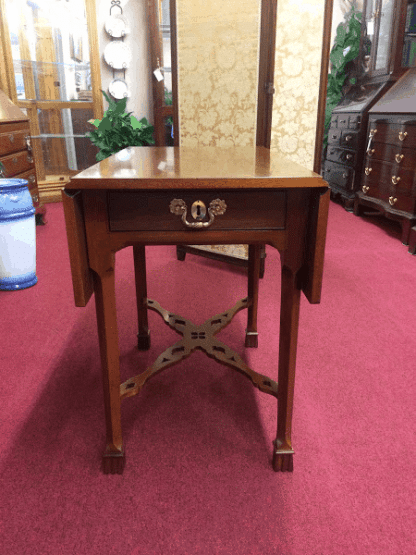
(151, 210)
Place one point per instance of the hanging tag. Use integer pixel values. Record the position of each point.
(370, 27)
(158, 74)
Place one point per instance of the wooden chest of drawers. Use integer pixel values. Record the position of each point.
(342, 165)
(389, 178)
(16, 155)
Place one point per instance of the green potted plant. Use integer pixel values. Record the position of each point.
(119, 129)
(343, 55)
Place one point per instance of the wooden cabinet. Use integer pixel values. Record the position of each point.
(16, 154)
(389, 176)
(342, 167)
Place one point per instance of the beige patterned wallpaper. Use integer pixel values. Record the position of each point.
(218, 44)
(297, 73)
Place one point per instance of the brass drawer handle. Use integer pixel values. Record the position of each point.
(348, 156)
(395, 180)
(371, 151)
(399, 158)
(30, 159)
(372, 133)
(348, 138)
(27, 141)
(216, 207)
(3, 173)
(392, 201)
(365, 188)
(368, 171)
(31, 178)
(402, 135)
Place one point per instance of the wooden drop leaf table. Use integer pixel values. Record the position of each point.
(145, 196)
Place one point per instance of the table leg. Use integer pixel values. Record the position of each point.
(105, 303)
(253, 294)
(143, 336)
(289, 321)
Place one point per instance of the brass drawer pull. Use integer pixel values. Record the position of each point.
(3, 173)
(372, 133)
(31, 178)
(348, 156)
(399, 158)
(371, 151)
(402, 135)
(365, 188)
(392, 201)
(216, 207)
(29, 159)
(348, 138)
(395, 180)
(368, 171)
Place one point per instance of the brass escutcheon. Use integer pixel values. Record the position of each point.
(371, 151)
(372, 133)
(365, 188)
(399, 158)
(392, 200)
(395, 179)
(216, 207)
(402, 135)
(198, 210)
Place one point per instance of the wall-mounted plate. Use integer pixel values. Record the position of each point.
(118, 89)
(117, 26)
(117, 55)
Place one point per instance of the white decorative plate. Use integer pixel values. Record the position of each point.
(118, 89)
(117, 55)
(116, 26)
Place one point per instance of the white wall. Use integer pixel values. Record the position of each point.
(138, 40)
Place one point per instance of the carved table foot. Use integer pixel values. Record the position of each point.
(282, 462)
(113, 463)
(252, 339)
(143, 341)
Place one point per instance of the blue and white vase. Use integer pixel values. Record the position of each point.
(17, 236)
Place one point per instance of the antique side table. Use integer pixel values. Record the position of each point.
(177, 196)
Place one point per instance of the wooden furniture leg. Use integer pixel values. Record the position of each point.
(253, 294)
(143, 336)
(105, 303)
(289, 321)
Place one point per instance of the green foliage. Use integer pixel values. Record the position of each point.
(119, 129)
(344, 51)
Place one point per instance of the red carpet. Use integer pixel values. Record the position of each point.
(198, 478)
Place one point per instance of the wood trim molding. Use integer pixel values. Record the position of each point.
(265, 89)
(323, 83)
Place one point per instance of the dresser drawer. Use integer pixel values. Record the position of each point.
(401, 179)
(14, 141)
(151, 210)
(394, 134)
(341, 155)
(17, 163)
(32, 183)
(337, 174)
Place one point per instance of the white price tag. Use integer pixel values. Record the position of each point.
(158, 74)
(370, 27)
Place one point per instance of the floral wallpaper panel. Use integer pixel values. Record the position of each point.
(218, 42)
(297, 72)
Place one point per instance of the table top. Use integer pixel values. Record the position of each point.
(195, 168)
